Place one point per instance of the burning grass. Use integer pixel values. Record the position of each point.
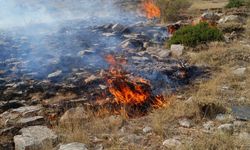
(130, 92)
(151, 9)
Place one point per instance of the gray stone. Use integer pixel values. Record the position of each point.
(131, 138)
(177, 49)
(226, 128)
(208, 125)
(241, 112)
(140, 58)
(85, 52)
(171, 143)
(13, 104)
(132, 44)
(239, 71)
(230, 18)
(220, 117)
(147, 129)
(27, 109)
(10, 116)
(35, 138)
(73, 146)
(118, 27)
(187, 123)
(91, 79)
(210, 16)
(31, 121)
(55, 74)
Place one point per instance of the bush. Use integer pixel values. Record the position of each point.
(194, 35)
(171, 10)
(235, 3)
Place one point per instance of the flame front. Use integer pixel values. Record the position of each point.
(151, 10)
(129, 90)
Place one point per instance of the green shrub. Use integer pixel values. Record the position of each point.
(171, 10)
(235, 3)
(194, 35)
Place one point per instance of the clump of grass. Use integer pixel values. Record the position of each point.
(193, 35)
(171, 10)
(235, 3)
(163, 120)
(215, 141)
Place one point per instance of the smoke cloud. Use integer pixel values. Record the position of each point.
(25, 12)
(47, 32)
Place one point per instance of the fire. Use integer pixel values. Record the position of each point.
(152, 11)
(129, 90)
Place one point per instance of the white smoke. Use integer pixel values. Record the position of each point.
(25, 12)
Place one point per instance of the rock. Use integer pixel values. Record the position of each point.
(241, 112)
(210, 16)
(73, 114)
(85, 52)
(73, 146)
(131, 138)
(239, 71)
(9, 131)
(35, 138)
(91, 79)
(226, 128)
(208, 125)
(147, 129)
(31, 121)
(140, 58)
(171, 143)
(177, 50)
(103, 87)
(10, 105)
(118, 28)
(230, 18)
(10, 117)
(220, 117)
(132, 44)
(55, 74)
(185, 123)
(231, 23)
(158, 52)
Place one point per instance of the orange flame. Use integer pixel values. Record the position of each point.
(152, 11)
(132, 91)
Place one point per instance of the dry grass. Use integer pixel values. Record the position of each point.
(163, 120)
(89, 130)
(248, 28)
(207, 4)
(223, 85)
(216, 141)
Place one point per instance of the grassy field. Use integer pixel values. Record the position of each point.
(218, 92)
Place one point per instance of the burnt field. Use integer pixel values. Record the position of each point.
(71, 59)
(135, 74)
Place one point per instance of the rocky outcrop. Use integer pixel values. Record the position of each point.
(35, 138)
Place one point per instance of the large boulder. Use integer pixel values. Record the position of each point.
(73, 115)
(35, 138)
